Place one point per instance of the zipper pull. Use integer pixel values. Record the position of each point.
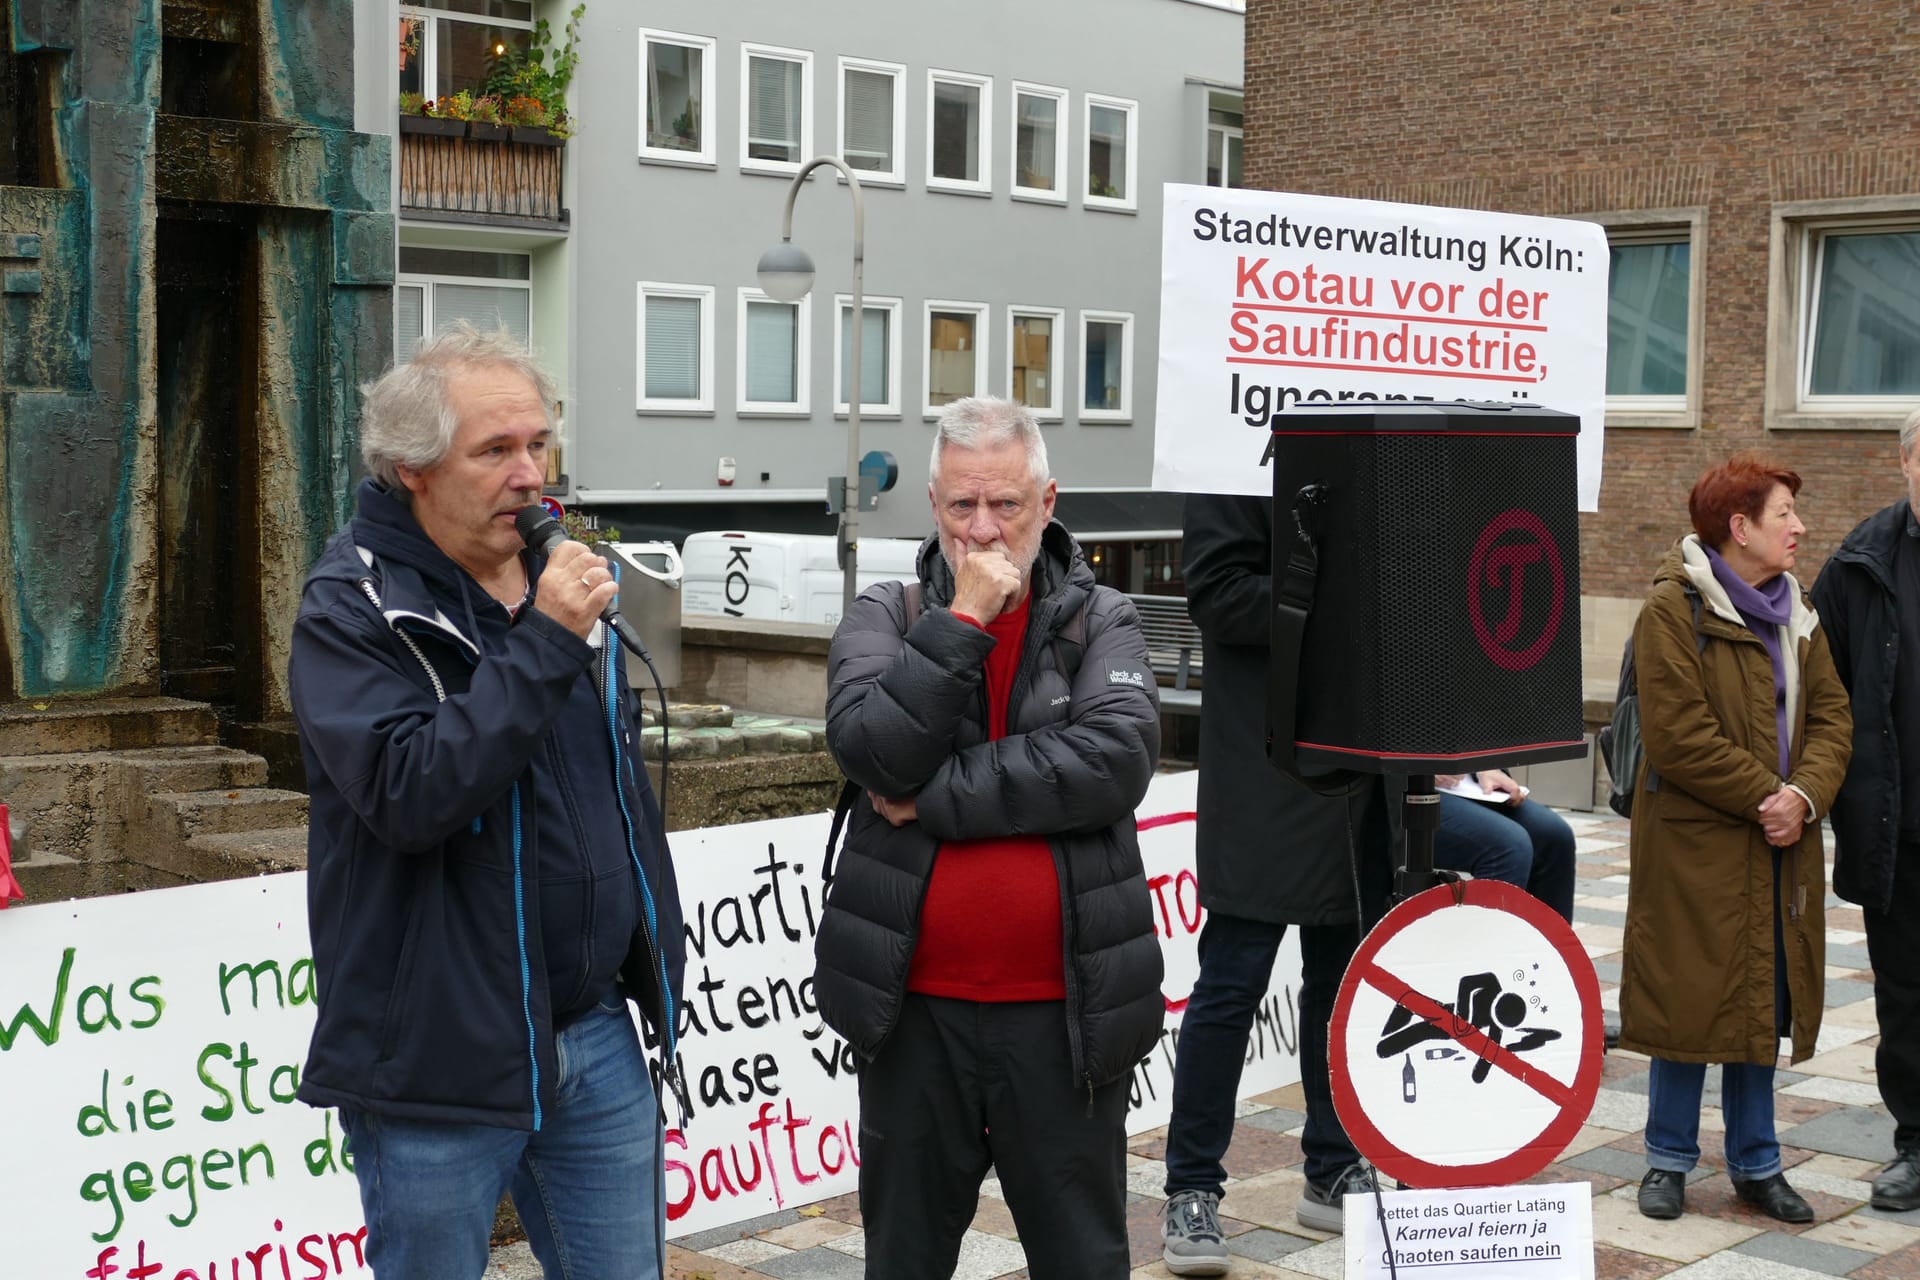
(1089, 1080)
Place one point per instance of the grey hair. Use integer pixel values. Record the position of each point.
(980, 422)
(407, 418)
(1909, 431)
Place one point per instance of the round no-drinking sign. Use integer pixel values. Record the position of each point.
(1465, 1047)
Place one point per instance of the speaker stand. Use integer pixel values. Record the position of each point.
(1420, 822)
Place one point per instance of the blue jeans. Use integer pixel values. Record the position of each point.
(1673, 1117)
(1236, 962)
(587, 1185)
(1528, 846)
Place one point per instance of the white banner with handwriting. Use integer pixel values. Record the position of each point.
(151, 1045)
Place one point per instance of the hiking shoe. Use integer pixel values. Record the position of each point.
(1193, 1244)
(1324, 1207)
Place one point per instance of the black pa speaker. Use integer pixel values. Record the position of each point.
(1444, 627)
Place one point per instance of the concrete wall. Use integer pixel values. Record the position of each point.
(635, 220)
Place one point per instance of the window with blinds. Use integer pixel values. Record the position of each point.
(869, 139)
(439, 288)
(771, 355)
(673, 348)
(877, 357)
(773, 109)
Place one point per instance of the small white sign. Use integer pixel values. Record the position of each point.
(1271, 301)
(1540, 1232)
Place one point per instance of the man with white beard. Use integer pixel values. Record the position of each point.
(988, 945)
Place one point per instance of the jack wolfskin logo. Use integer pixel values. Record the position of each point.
(1117, 675)
(1065, 697)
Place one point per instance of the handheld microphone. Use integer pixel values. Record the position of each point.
(542, 533)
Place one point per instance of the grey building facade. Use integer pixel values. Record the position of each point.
(1010, 158)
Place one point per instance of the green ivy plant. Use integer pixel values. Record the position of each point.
(526, 73)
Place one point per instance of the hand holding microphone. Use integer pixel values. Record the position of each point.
(577, 589)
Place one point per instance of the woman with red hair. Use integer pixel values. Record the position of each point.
(1747, 731)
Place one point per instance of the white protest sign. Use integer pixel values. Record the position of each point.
(151, 1045)
(1271, 300)
(775, 1091)
(1465, 1047)
(1540, 1232)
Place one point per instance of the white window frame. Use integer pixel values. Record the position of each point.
(896, 176)
(1664, 226)
(429, 51)
(704, 294)
(982, 318)
(427, 283)
(843, 302)
(801, 405)
(1056, 358)
(1795, 226)
(708, 154)
(748, 52)
(1062, 127)
(1208, 128)
(1122, 204)
(1125, 412)
(957, 186)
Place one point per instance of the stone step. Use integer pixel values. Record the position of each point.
(234, 855)
(196, 768)
(52, 726)
(187, 814)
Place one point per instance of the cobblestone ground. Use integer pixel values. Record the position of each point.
(1833, 1131)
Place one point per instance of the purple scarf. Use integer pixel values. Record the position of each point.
(1765, 609)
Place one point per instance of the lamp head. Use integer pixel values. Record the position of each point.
(786, 272)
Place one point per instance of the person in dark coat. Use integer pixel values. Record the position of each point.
(1271, 853)
(987, 946)
(1868, 596)
(487, 884)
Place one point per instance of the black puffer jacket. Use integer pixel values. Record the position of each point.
(1854, 598)
(907, 716)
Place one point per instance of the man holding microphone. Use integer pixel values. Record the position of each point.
(487, 880)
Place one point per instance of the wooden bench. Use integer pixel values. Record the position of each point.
(1173, 649)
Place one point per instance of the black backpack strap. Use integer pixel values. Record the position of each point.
(1292, 606)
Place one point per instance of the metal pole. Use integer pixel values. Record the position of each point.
(850, 498)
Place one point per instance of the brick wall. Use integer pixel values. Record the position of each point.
(1584, 106)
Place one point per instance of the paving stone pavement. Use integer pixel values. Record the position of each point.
(1833, 1130)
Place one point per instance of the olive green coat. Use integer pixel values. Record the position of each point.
(1698, 979)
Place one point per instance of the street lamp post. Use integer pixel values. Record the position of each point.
(786, 274)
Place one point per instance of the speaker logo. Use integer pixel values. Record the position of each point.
(1515, 567)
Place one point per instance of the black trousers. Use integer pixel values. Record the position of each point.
(960, 1087)
(1896, 996)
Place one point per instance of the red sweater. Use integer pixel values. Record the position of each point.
(990, 927)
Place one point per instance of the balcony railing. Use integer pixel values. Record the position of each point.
(514, 176)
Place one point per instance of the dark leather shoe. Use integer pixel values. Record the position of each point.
(1773, 1197)
(1663, 1193)
(1609, 1031)
(1897, 1188)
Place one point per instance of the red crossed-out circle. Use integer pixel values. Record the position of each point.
(1509, 659)
(1574, 1100)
